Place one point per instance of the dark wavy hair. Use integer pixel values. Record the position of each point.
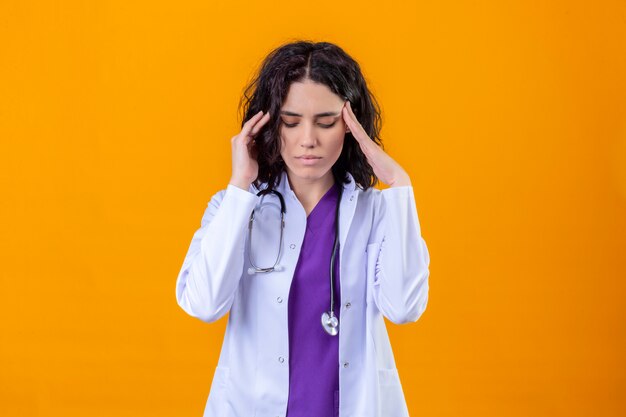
(321, 62)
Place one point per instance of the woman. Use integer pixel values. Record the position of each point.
(295, 344)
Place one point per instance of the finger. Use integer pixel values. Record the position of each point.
(251, 144)
(359, 133)
(355, 128)
(351, 113)
(260, 124)
(359, 127)
(347, 118)
(344, 112)
(352, 120)
(247, 126)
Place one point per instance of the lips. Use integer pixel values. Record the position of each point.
(309, 160)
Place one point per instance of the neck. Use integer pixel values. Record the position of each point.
(310, 191)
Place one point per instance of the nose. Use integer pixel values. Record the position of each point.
(308, 136)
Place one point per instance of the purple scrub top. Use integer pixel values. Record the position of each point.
(313, 353)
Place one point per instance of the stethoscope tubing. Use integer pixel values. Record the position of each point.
(330, 322)
(283, 210)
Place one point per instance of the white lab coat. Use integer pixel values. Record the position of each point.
(384, 271)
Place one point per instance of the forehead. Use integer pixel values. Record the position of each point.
(310, 98)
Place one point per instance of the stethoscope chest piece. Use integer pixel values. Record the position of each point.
(330, 323)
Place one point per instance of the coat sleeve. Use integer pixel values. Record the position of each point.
(402, 266)
(210, 274)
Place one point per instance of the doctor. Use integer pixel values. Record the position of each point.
(304, 338)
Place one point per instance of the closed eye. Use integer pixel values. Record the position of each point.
(320, 124)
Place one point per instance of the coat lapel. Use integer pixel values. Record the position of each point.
(349, 199)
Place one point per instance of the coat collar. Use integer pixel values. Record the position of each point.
(284, 187)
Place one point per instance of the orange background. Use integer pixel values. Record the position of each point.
(115, 127)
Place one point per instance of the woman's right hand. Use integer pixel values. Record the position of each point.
(244, 153)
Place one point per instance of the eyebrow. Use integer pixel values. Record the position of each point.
(328, 113)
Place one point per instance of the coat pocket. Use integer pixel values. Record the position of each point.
(390, 396)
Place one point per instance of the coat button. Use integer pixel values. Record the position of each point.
(279, 299)
(281, 359)
(292, 246)
(348, 305)
(351, 197)
(346, 364)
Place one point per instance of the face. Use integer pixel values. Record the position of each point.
(311, 125)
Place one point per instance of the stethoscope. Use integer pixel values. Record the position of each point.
(330, 322)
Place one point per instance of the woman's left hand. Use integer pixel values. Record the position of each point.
(385, 168)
